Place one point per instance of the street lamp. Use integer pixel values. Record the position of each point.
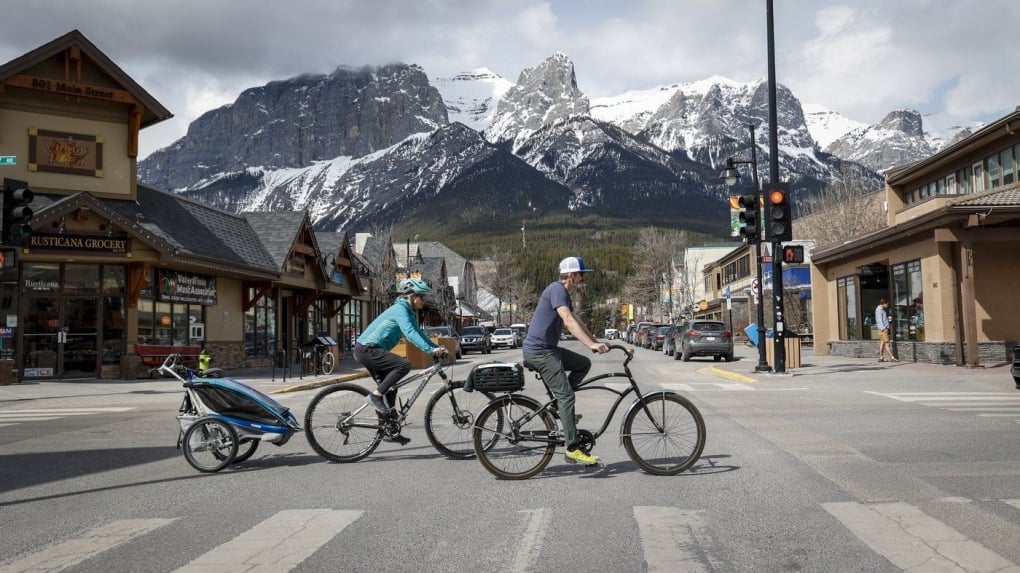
(731, 176)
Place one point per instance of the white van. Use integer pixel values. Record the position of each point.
(521, 330)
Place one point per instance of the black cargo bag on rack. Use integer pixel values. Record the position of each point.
(495, 377)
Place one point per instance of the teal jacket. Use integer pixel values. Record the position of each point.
(397, 320)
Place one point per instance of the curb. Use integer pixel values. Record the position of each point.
(321, 383)
(732, 375)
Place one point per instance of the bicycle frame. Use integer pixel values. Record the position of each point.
(425, 376)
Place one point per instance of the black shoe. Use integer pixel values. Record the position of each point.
(402, 440)
(379, 403)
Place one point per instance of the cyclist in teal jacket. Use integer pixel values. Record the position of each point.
(374, 345)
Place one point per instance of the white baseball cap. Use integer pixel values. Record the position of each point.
(573, 265)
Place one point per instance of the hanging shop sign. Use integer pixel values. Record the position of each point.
(92, 243)
(176, 286)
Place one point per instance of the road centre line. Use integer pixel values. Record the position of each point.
(530, 548)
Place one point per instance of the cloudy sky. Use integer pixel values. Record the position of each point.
(953, 59)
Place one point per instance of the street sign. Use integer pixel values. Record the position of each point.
(755, 286)
(8, 159)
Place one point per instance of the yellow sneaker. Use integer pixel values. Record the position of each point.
(578, 456)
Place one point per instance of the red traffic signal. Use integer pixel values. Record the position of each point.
(778, 214)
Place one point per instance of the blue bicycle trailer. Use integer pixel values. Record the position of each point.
(222, 420)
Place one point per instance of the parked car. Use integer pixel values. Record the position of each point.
(504, 337)
(475, 338)
(445, 331)
(648, 335)
(1014, 370)
(639, 333)
(657, 336)
(704, 338)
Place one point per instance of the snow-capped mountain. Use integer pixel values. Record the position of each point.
(381, 145)
(471, 96)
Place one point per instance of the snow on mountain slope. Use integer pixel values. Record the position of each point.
(471, 96)
(826, 125)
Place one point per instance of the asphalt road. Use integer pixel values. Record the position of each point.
(843, 465)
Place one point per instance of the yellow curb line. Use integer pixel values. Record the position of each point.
(732, 375)
(321, 383)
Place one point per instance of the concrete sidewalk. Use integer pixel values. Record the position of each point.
(267, 380)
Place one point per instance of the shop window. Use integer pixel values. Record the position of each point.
(113, 313)
(846, 300)
(906, 309)
(979, 177)
(260, 326)
(41, 277)
(994, 172)
(81, 278)
(1007, 166)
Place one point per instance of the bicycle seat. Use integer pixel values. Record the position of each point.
(530, 366)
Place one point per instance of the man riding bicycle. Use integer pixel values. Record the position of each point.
(541, 349)
(374, 345)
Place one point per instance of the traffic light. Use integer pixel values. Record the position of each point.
(793, 254)
(778, 215)
(750, 227)
(17, 213)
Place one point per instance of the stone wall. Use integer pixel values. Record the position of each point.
(994, 352)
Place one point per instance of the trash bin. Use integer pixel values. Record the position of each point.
(792, 344)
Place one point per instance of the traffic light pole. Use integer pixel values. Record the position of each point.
(779, 335)
(763, 364)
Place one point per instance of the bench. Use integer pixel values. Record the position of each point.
(153, 355)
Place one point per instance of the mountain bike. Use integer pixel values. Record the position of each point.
(515, 435)
(342, 426)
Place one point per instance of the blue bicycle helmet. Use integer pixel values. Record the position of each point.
(413, 286)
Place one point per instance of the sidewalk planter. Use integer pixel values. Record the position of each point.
(7, 373)
(792, 344)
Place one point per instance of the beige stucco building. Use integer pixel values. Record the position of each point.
(948, 261)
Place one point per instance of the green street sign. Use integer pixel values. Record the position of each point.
(8, 159)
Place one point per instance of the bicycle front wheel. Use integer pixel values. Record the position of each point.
(513, 437)
(340, 424)
(328, 362)
(666, 436)
(450, 419)
(210, 444)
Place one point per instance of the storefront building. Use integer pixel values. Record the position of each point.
(115, 272)
(947, 261)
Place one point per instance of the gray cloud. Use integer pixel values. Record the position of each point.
(952, 59)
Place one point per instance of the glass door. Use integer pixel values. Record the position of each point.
(42, 327)
(79, 350)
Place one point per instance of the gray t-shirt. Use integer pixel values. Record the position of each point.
(546, 324)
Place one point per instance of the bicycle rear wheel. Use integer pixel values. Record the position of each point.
(328, 362)
(308, 362)
(513, 437)
(340, 424)
(673, 449)
(210, 444)
(450, 419)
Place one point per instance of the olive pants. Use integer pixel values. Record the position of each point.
(553, 366)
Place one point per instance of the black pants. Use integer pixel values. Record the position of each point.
(385, 367)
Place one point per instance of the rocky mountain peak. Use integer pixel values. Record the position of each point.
(294, 122)
(907, 121)
(471, 96)
(543, 95)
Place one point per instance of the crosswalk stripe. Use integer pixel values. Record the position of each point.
(530, 547)
(674, 539)
(913, 540)
(279, 543)
(93, 542)
(29, 418)
(1014, 502)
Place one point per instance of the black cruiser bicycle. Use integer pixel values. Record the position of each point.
(515, 435)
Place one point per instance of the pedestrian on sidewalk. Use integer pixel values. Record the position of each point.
(882, 322)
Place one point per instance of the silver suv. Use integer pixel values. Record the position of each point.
(704, 338)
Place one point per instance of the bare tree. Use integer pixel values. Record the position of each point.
(847, 208)
(653, 257)
(501, 279)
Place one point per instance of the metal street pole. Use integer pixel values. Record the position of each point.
(778, 336)
(763, 364)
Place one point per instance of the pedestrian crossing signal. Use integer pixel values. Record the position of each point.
(793, 254)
